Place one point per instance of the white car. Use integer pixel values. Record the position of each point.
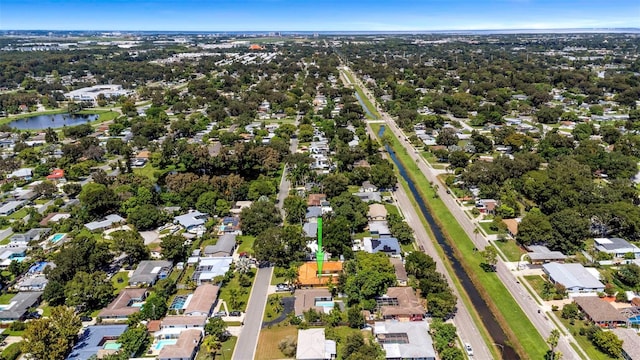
(468, 348)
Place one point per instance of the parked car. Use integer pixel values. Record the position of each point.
(235, 313)
(86, 318)
(220, 314)
(283, 287)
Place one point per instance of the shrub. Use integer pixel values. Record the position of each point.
(12, 352)
(288, 346)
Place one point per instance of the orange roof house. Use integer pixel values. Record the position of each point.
(512, 226)
(308, 273)
(255, 47)
(145, 154)
(316, 199)
(56, 174)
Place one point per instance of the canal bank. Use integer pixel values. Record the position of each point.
(511, 317)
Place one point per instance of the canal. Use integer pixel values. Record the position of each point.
(491, 324)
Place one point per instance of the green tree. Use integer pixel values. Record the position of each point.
(355, 319)
(97, 199)
(207, 202)
(154, 308)
(383, 176)
(217, 328)
(295, 209)
(134, 340)
(92, 290)
(608, 343)
(335, 184)
(145, 217)
(535, 228)
(132, 244)
(260, 216)
(173, 248)
(490, 257)
(51, 338)
(46, 189)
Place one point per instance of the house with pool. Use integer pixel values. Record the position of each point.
(98, 341)
(128, 301)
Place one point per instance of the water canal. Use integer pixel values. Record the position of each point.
(491, 324)
(40, 122)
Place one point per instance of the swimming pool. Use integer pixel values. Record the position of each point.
(137, 304)
(325, 304)
(57, 237)
(161, 343)
(112, 345)
(178, 302)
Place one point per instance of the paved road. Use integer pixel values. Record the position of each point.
(248, 339)
(520, 294)
(522, 297)
(285, 184)
(463, 321)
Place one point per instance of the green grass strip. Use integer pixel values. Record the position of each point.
(524, 337)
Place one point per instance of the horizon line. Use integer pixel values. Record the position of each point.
(331, 31)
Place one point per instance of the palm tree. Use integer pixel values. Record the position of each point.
(212, 345)
(291, 275)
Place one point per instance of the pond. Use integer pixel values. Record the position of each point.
(40, 122)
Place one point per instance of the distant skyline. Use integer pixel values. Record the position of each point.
(306, 15)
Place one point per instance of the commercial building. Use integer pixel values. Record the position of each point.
(92, 93)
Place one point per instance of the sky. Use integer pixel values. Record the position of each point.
(316, 15)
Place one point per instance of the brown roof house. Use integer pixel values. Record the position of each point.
(630, 343)
(129, 301)
(184, 349)
(377, 212)
(316, 199)
(400, 303)
(599, 311)
(401, 273)
(306, 299)
(202, 300)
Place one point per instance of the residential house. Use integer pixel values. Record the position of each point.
(150, 271)
(19, 305)
(22, 240)
(223, 247)
(21, 174)
(312, 345)
(387, 245)
(379, 228)
(239, 205)
(512, 226)
(401, 273)
(9, 254)
(230, 225)
(367, 187)
(108, 222)
(369, 196)
(172, 326)
(630, 343)
(574, 277)
(211, 267)
(32, 283)
(128, 301)
(56, 175)
(308, 273)
(310, 228)
(541, 254)
(377, 212)
(202, 300)
(400, 303)
(405, 340)
(316, 199)
(306, 300)
(191, 220)
(313, 212)
(10, 207)
(617, 247)
(487, 206)
(600, 311)
(98, 341)
(185, 348)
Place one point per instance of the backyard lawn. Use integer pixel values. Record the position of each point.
(6, 298)
(486, 227)
(270, 338)
(225, 352)
(585, 344)
(245, 243)
(18, 214)
(511, 250)
(234, 294)
(117, 284)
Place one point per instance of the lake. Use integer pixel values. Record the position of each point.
(40, 122)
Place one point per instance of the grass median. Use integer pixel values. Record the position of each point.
(523, 336)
